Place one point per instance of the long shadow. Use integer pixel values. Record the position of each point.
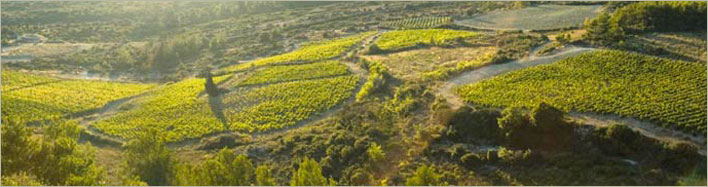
(215, 103)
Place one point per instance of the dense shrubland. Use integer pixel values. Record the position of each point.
(521, 142)
(610, 29)
(514, 46)
(56, 158)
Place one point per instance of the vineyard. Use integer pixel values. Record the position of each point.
(672, 93)
(53, 98)
(397, 40)
(309, 53)
(295, 72)
(418, 23)
(174, 109)
(14, 80)
(281, 105)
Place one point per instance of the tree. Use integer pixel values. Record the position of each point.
(550, 127)
(425, 176)
(546, 116)
(264, 176)
(513, 126)
(224, 169)
(147, 157)
(209, 86)
(309, 173)
(600, 31)
(16, 146)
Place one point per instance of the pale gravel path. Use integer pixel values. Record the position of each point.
(644, 127)
(496, 69)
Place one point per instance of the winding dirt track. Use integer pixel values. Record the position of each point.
(645, 128)
(496, 69)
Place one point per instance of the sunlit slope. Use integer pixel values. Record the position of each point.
(31, 97)
(282, 105)
(262, 99)
(174, 109)
(309, 53)
(295, 72)
(400, 39)
(672, 93)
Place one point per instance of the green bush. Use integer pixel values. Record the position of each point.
(264, 177)
(543, 128)
(661, 16)
(55, 159)
(425, 176)
(148, 158)
(376, 79)
(468, 125)
(16, 146)
(309, 173)
(375, 152)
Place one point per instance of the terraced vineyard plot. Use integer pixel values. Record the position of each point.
(14, 80)
(295, 72)
(534, 18)
(418, 23)
(395, 40)
(672, 93)
(56, 99)
(282, 105)
(309, 53)
(174, 109)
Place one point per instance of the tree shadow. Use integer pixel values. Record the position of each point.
(216, 105)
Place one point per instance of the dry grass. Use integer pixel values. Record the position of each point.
(683, 46)
(46, 49)
(534, 18)
(409, 65)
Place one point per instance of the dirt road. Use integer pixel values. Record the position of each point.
(496, 69)
(645, 128)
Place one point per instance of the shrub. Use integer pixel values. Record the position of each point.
(309, 173)
(600, 31)
(20, 179)
(16, 146)
(375, 153)
(376, 79)
(61, 160)
(467, 125)
(425, 176)
(543, 128)
(264, 176)
(471, 159)
(661, 17)
(514, 126)
(148, 158)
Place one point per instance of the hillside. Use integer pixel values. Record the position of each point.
(352, 93)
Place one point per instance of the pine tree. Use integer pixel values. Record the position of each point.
(209, 86)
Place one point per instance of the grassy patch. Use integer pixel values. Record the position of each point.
(414, 64)
(542, 17)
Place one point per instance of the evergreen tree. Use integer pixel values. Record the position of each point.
(209, 86)
(309, 173)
